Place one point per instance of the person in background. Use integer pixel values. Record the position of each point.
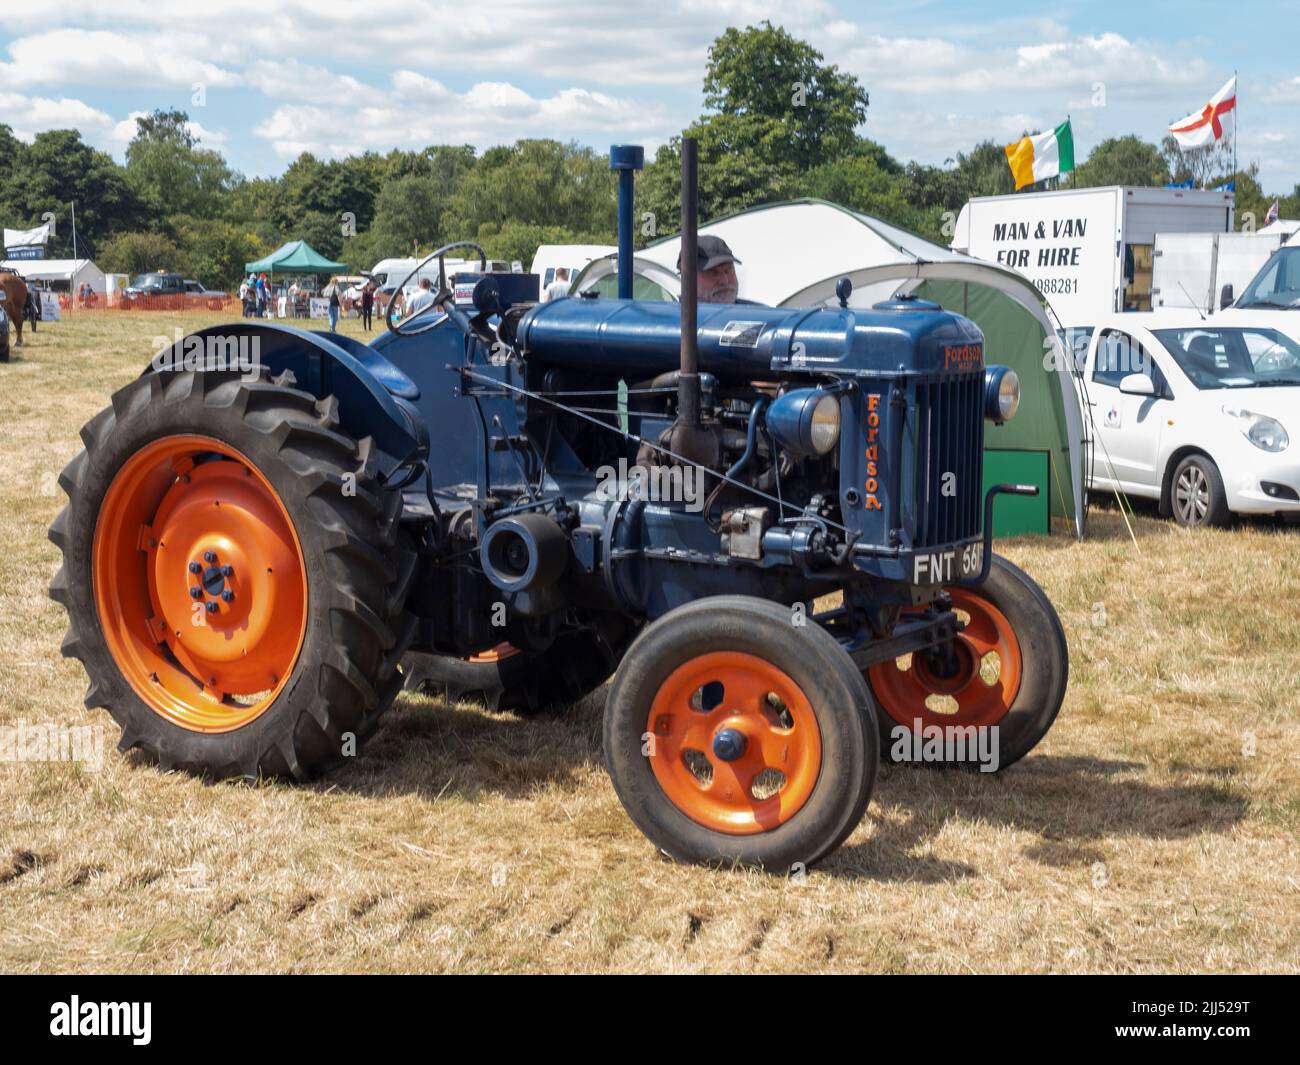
(333, 292)
(367, 304)
(560, 286)
(422, 300)
(244, 296)
(260, 287)
(33, 308)
(715, 271)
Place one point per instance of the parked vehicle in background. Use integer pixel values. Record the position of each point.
(1202, 270)
(388, 273)
(1277, 285)
(550, 257)
(163, 291)
(1197, 413)
(1088, 251)
(210, 298)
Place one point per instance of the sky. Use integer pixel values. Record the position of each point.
(263, 80)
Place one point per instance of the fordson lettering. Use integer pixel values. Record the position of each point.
(873, 451)
(963, 357)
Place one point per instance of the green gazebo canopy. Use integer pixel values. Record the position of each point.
(296, 257)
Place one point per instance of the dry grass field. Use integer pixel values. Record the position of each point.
(1154, 830)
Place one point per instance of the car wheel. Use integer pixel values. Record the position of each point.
(1197, 493)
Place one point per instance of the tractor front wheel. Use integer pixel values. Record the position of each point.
(733, 734)
(232, 576)
(1006, 671)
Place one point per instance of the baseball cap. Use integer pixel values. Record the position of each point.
(710, 251)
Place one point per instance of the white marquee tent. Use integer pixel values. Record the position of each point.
(62, 274)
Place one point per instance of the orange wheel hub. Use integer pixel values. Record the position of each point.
(982, 687)
(199, 583)
(736, 744)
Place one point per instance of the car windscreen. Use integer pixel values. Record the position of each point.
(1215, 357)
(148, 281)
(1277, 284)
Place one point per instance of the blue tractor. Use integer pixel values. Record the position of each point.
(767, 524)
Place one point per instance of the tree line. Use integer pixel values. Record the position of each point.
(779, 123)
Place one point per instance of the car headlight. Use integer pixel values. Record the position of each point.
(1267, 434)
(806, 420)
(1001, 393)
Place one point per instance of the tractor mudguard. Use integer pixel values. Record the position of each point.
(376, 399)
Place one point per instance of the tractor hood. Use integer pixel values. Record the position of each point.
(905, 335)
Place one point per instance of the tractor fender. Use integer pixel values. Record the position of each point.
(375, 398)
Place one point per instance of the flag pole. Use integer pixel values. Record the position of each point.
(1236, 130)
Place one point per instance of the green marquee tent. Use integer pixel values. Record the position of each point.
(296, 257)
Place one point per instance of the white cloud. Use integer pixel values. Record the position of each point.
(288, 79)
(421, 110)
(110, 59)
(29, 115)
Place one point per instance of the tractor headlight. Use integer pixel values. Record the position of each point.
(806, 421)
(1267, 434)
(1001, 393)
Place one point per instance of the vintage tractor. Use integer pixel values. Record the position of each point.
(768, 524)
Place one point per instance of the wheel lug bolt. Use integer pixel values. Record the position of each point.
(196, 567)
(212, 607)
(227, 595)
(226, 571)
(196, 592)
(209, 556)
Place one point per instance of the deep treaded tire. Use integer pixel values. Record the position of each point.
(341, 670)
(719, 694)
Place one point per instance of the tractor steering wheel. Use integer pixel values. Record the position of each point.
(440, 255)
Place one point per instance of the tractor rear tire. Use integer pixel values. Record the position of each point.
(259, 638)
(1014, 668)
(734, 736)
(526, 683)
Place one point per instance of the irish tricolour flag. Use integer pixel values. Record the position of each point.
(1046, 155)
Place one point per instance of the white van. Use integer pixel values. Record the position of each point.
(1197, 270)
(388, 272)
(1088, 251)
(574, 257)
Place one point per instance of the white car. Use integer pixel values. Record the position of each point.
(1200, 414)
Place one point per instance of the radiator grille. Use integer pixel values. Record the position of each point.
(949, 435)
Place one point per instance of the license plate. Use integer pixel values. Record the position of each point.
(945, 567)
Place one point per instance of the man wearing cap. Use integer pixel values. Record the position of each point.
(715, 270)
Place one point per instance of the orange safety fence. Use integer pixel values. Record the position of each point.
(72, 304)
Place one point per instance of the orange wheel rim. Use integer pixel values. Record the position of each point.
(983, 694)
(199, 583)
(738, 786)
(496, 654)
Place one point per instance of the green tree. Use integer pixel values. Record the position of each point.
(535, 182)
(59, 169)
(1122, 161)
(138, 253)
(776, 111)
(170, 172)
(807, 109)
(1204, 167)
